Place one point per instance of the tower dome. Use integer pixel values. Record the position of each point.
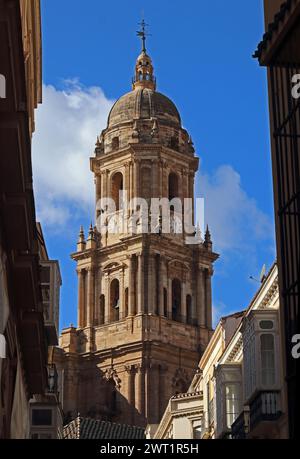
(144, 103)
(144, 115)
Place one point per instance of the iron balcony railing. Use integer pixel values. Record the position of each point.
(238, 431)
(265, 407)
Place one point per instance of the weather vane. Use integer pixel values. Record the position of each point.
(143, 34)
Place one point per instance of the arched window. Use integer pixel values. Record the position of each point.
(189, 310)
(117, 187)
(165, 302)
(101, 318)
(126, 302)
(115, 300)
(115, 143)
(173, 186)
(176, 300)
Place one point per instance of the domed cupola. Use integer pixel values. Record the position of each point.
(144, 75)
(144, 115)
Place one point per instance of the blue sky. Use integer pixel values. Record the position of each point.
(202, 53)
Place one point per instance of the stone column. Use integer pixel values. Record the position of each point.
(160, 178)
(140, 284)
(136, 173)
(151, 284)
(140, 389)
(98, 191)
(152, 393)
(209, 274)
(122, 296)
(81, 305)
(169, 298)
(131, 194)
(201, 306)
(155, 391)
(107, 299)
(131, 290)
(90, 296)
(130, 391)
(191, 192)
(104, 184)
(127, 179)
(183, 301)
(148, 393)
(161, 279)
(165, 173)
(155, 175)
(97, 284)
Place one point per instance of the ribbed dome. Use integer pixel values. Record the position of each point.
(144, 103)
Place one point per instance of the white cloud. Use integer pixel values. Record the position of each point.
(236, 222)
(67, 124)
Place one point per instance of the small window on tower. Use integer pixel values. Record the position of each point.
(117, 188)
(176, 300)
(101, 318)
(115, 143)
(115, 300)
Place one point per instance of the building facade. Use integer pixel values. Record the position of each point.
(280, 53)
(249, 396)
(23, 370)
(29, 299)
(144, 297)
(182, 418)
(240, 380)
(46, 416)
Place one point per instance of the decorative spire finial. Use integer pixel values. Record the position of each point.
(144, 72)
(143, 34)
(81, 244)
(81, 235)
(207, 239)
(207, 235)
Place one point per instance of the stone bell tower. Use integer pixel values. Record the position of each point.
(144, 299)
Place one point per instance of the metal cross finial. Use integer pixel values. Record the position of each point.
(143, 34)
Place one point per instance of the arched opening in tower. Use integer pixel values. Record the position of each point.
(173, 186)
(115, 143)
(176, 300)
(115, 300)
(117, 189)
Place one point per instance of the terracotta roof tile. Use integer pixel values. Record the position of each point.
(86, 428)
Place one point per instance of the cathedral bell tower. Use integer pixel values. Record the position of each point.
(144, 298)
